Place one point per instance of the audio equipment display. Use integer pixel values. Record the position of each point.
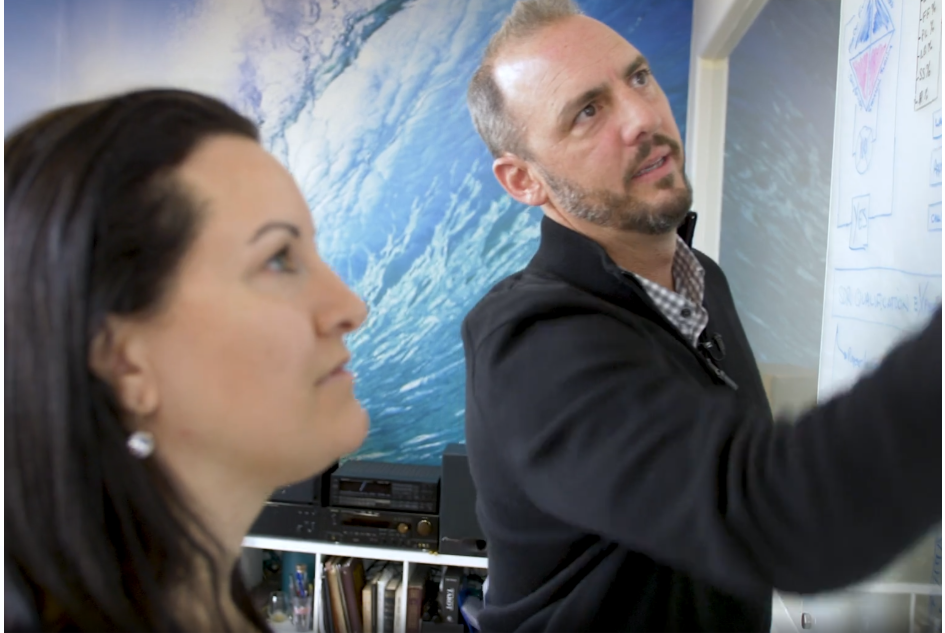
(387, 486)
(381, 527)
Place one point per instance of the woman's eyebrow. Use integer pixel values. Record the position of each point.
(275, 226)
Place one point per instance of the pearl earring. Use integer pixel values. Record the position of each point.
(141, 444)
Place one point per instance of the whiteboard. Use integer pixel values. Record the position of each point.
(884, 253)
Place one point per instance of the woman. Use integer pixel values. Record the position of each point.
(174, 352)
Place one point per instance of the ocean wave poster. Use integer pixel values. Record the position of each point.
(364, 102)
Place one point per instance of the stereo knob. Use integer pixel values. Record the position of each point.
(403, 528)
(424, 528)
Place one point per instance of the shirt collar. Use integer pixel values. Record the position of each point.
(688, 273)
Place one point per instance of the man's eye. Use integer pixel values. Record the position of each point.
(641, 77)
(281, 262)
(588, 111)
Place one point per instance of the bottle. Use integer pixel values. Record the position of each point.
(301, 599)
(300, 586)
(289, 562)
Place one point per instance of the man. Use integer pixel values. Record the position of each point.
(628, 472)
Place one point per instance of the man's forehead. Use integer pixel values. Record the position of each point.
(559, 61)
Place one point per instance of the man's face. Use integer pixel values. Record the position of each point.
(599, 129)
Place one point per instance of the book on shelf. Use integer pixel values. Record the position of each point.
(415, 587)
(391, 571)
(327, 619)
(336, 592)
(369, 594)
(449, 594)
(352, 582)
(390, 601)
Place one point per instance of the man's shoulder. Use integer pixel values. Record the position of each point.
(515, 296)
(525, 296)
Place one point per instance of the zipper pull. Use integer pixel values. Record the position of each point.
(723, 376)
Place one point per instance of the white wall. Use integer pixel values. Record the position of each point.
(717, 26)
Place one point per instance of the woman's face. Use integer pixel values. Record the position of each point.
(247, 354)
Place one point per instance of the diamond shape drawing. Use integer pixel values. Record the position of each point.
(869, 49)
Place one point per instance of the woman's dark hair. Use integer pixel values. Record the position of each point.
(96, 224)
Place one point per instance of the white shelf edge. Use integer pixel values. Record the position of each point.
(919, 589)
(362, 551)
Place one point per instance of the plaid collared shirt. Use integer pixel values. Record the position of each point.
(682, 308)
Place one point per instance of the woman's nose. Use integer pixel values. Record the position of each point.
(338, 309)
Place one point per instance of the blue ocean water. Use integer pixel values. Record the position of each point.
(408, 209)
(364, 102)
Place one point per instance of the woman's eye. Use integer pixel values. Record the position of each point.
(641, 77)
(281, 262)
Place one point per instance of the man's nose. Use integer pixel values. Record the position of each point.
(638, 116)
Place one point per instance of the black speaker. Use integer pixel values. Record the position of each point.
(460, 533)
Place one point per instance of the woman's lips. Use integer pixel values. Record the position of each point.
(340, 372)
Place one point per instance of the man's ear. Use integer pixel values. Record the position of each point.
(517, 177)
(118, 355)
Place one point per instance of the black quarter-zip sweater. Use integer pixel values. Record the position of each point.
(623, 486)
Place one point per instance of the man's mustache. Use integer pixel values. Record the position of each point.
(643, 152)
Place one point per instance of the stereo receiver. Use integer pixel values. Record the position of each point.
(381, 527)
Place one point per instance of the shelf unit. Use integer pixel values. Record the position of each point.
(782, 619)
(322, 549)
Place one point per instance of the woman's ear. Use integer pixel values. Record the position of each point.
(517, 177)
(118, 355)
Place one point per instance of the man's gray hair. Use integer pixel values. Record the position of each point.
(484, 97)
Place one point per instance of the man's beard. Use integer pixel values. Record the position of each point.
(624, 211)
